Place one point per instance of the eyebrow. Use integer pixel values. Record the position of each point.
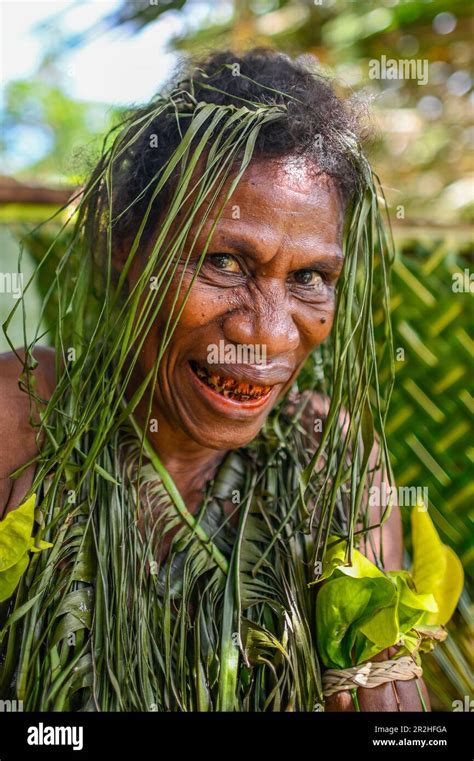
(330, 262)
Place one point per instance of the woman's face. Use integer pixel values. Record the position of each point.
(263, 300)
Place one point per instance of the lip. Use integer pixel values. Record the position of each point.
(269, 374)
(224, 404)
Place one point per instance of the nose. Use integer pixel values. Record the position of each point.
(266, 320)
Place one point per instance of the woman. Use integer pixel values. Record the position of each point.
(199, 439)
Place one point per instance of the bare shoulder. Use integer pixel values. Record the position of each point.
(18, 415)
(311, 410)
(307, 406)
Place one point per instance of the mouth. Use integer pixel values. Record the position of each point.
(230, 388)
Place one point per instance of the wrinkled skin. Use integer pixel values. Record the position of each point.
(289, 230)
(269, 278)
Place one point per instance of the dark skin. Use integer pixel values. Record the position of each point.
(251, 289)
(269, 278)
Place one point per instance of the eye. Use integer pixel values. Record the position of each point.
(225, 262)
(309, 278)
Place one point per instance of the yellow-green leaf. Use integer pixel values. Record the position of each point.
(11, 576)
(36, 545)
(436, 568)
(15, 533)
(361, 568)
(449, 589)
(334, 560)
(348, 613)
(381, 631)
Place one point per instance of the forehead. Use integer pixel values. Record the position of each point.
(284, 204)
(276, 202)
(291, 185)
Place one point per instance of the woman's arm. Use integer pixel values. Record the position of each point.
(387, 544)
(392, 696)
(17, 437)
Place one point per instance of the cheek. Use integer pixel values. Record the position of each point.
(203, 306)
(200, 311)
(315, 324)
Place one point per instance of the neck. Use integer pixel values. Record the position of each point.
(190, 465)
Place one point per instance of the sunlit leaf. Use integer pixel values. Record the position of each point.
(436, 568)
(15, 533)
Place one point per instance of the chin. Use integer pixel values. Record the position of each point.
(222, 437)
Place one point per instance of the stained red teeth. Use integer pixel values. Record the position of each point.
(229, 387)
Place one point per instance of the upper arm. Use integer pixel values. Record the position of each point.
(19, 419)
(386, 542)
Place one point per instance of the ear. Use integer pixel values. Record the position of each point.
(120, 255)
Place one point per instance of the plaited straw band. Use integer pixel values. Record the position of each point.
(370, 675)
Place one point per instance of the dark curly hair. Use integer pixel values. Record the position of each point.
(315, 121)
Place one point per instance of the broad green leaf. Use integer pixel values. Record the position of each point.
(333, 558)
(449, 589)
(334, 561)
(361, 610)
(15, 542)
(412, 607)
(344, 606)
(15, 533)
(380, 631)
(36, 545)
(429, 560)
(436, 568)
(361, 568)
(10, 578)
(410, 644)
